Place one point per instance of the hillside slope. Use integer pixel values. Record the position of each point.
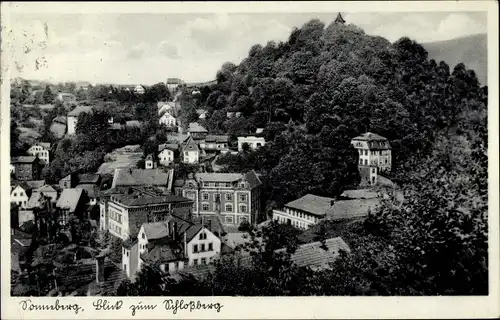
(471, 50)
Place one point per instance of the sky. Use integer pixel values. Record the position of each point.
(149, 48)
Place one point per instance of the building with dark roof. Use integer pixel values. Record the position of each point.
(233, 197)
(27, 167)
(124, 209)
(173, 243)
(133, 177)
(70, 202)
(197, 131)
(214, 143)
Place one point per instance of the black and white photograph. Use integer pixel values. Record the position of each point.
(333, 153)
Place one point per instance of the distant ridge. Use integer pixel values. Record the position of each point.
(471, 50)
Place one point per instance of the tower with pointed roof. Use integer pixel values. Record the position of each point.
(339, 19)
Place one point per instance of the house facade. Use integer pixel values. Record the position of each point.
(304, 212)
(174, 243)
(139, 89)
(27, 167)
(168, 120)
(70, 202)
(72, 118)
(190, 151)
(20, 194)
(42, 150)
(214, 143)
(233, 197)
(374, 150)
(166, 155)
(196, 131)
(253, 142)
(123, 210)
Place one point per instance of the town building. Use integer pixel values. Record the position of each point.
(124, 209)
(27, 167)
(133, 177)
(168, 106)
(202, 113)
(66, 97)
(374, 150)
(234, 197)
(174, 244)
(254, 142)
(214, 143)
(310, 209)
(318, 256)
(39, 197)
(72, 118)
(139, 89)
(196, 131)
(190, 151)
(166, 153)
(71, 202)
(42, 150)
(173, 83)
(20, 194)
(168, 120)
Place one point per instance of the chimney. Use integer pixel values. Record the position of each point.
(209, 225)
(99, 264)
(185, 243)
(174, 230)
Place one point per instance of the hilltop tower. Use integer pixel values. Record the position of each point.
(339, 19)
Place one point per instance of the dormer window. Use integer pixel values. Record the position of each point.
(242, 185)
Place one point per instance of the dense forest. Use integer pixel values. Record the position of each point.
(312, 94)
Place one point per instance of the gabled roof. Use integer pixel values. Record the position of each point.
(196, 128)
(311, 204)
(88, 178)
(190, 145)
(36, 199)
(45, 145)
(217, 138)
(60, 119)
(22, 184)
(253, 179)
(80, 109)
(139, 177)
(156, 230)
(374, 141)
(35, 184)
(91, 189)
(314, 256)
(46, 188)
(339, 18)
(69, 199)
(22, 159)
(218, 177)
(169, 146)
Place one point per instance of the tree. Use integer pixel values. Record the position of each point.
(48, 96)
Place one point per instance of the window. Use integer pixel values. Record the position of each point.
(243, 197)
(195, 248)
(229, 220)
(195, 262)
(360, 161)
(373, 170)
(15, 194)
(229, 197)
(205, 196)
(202, 247)
(229, 207)
(366, 152)
(216, 184)
(21, 194)
(210, 246)
(243, 208)
(385, 161)
(203, 260)
(203, 236)
(366, 162)
(144, 236)
(242, 185)
(185, 154)
(228, 184)
(206, 184)
(190, 184)
(205, 207)
(361, 152)
(127, 253)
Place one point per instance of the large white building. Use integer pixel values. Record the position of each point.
(42, 149)
(235, 197)
(254, 142)
(374, 150)
(168, 120)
